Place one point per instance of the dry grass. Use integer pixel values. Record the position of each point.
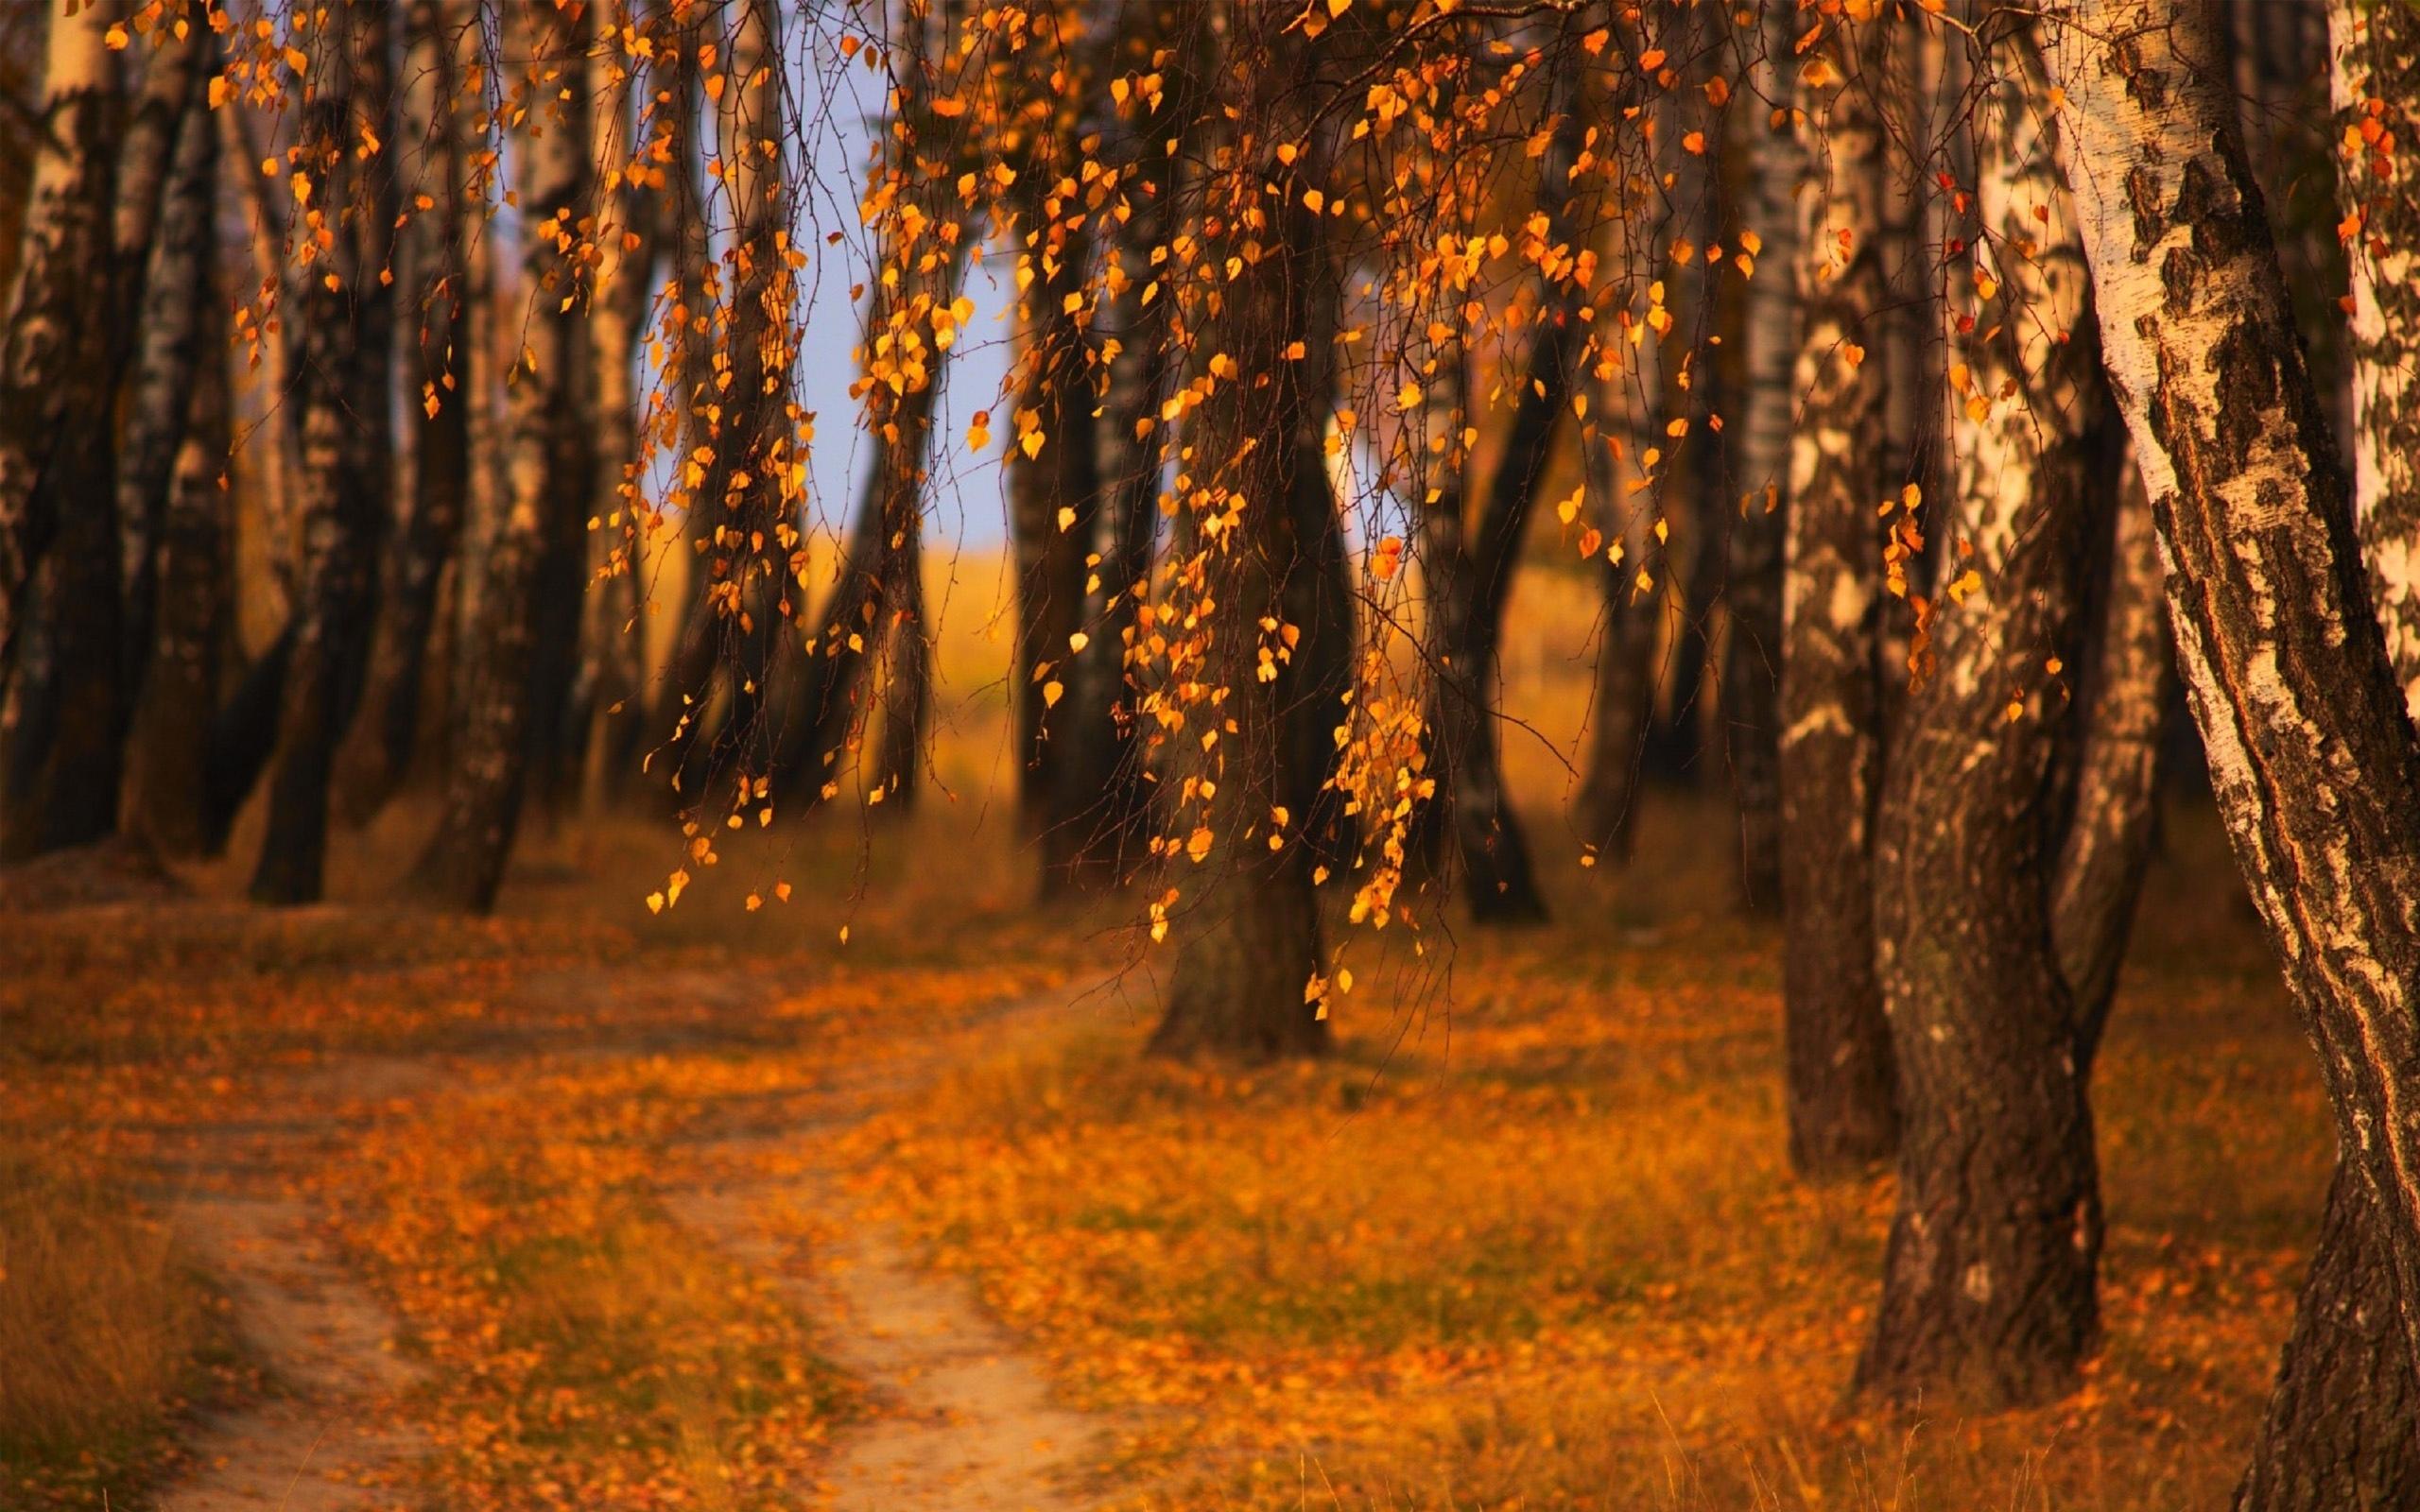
(1525, 1243)
(1531, 1245)
(102, 1323)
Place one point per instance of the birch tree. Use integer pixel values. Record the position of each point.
(1989, 1281)
(1243, 981)
(432, 280)
(338, 510)
(2312, 752)
(1841, 1107)
(550, 465)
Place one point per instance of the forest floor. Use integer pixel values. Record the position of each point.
(859, 1193)
(361, 1207)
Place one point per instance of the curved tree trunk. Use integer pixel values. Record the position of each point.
(824, 691)
(550, 464)
(337, 508)
(1839, 1095)
(1468, 570)
(433, 278)
(1628, 498)
(2312, 758)
(2343, 1429)
(1989, 1283)
(1622, 704)
(1243, 982)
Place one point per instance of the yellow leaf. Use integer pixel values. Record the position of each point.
(1030, 444)
(1197, 845)
(1052, 692)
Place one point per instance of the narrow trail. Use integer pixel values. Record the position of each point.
(963, 1421)
(327, 1438)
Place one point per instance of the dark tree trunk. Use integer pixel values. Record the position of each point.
(499, 679)
(1467, 582)
(167, 789)
(907, 678)
(824, 692)
(755, 556)
(2343, 1429)
(1622, 703)
(1989, 1283)
(2129, 679)
(2313, 759)
(1054, 511)
(243, 737)
(1752, 657)
(58, 549)
(174, 286)
(1468, 571)
(1102, 760)
(1627, 498)
(1243, 979)
(1315, 591)
(338, 510)
(1843, 1109)
(433, 278)
(181, 595)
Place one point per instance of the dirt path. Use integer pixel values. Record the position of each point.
(327, 1438)
(963, 1421)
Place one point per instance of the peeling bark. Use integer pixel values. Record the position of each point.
(2312, 752)
(2342, 1428)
